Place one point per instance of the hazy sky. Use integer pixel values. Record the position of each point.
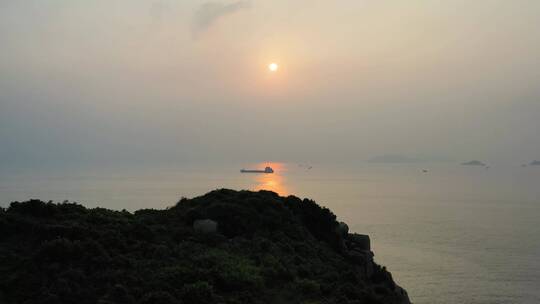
(185, 81)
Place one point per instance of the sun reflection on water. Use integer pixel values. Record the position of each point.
(273, 182)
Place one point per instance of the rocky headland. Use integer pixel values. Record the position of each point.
(224, 247)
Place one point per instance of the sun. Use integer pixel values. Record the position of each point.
(273, 67)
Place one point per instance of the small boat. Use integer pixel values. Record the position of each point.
(266, 170)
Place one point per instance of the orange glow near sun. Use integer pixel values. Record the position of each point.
(273, 67)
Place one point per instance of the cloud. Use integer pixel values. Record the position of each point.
(209, 12)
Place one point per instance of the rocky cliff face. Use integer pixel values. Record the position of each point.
(223, 247)
(358, 251)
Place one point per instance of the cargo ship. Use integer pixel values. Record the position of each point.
(266, 170)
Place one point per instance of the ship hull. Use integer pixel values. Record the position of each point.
(255, 171)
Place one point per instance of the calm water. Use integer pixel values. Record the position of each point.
(453, 235)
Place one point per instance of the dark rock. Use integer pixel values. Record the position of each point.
(205, 226)
(359, 241)
(342, 229)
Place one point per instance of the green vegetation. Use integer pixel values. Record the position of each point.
(267, 249)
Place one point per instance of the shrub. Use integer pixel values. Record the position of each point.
(198, 293)
(159, 297)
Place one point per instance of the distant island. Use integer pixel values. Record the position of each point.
(473, 163)
(223, 247)
(535, 163)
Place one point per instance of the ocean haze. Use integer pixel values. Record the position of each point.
(126, 83)
(453, 235)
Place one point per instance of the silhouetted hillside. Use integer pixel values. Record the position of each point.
(223, 247)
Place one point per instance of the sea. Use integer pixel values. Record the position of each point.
(453, 234)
